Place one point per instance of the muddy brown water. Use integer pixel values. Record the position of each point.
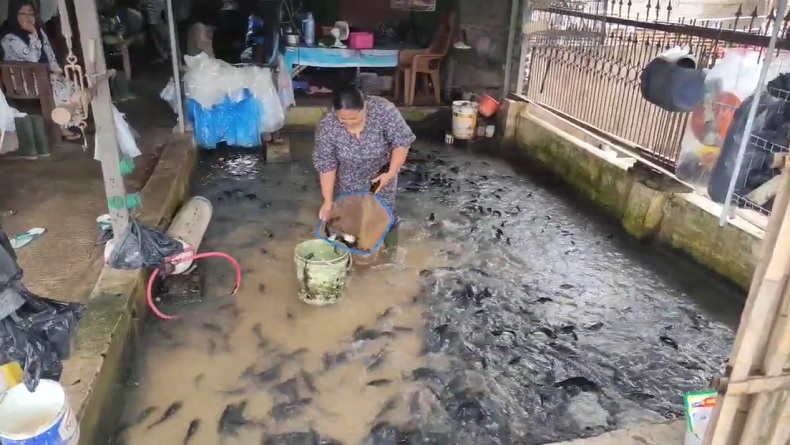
(512, 315)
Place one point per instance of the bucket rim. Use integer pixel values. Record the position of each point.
(350, 249)
(343, 256)
(50, 423)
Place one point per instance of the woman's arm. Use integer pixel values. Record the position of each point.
(53, 61)
(325, 161)
(16, 50)
(399, 136)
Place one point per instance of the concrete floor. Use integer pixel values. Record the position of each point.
(64, 195)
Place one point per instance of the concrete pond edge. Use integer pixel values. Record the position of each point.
(103, 350)
(652, 206)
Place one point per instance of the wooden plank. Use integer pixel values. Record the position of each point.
(754, 385)
(106, 140)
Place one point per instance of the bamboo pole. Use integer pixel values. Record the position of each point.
(765, 407)
(754, 385)
(728, 416)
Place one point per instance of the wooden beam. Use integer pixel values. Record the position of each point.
(106, 140)
(754, 385)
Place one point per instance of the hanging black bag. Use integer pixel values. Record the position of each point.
(673, 82)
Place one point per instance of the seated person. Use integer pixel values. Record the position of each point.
(263, 34)
(24, 41)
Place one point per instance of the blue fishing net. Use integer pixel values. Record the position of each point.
(237, 124)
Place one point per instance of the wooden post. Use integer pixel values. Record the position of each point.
(101, 103)
(760, 329)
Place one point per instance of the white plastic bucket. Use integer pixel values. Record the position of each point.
(464, 119)
(42, 417)
(321, 269)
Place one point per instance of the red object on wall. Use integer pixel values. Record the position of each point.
(360, 40)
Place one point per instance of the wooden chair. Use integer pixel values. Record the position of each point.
(24, 81)
(427, 61)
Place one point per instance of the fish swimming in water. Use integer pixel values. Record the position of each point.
(192, 430)
(286, 410)
(169, 412)
(144, 414)
(232, 418)
(379, 382)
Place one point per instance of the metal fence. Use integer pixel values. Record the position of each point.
(587, 65)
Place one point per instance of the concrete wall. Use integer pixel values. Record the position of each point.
(640, 198)
(486, 25)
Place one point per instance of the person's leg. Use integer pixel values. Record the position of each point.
(391, 243)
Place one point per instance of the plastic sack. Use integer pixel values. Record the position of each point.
(141, 246)
(261, 85)
(38, 335)
(699, 410)
(771, 126)
(731, 80)
(234, 123)
(210, 81)
(364, 217)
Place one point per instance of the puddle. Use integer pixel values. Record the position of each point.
(512, 315)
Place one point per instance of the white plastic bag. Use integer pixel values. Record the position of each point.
(261, 84)
(7, 115)
(125, 135)
(285, 85)
(168, 95)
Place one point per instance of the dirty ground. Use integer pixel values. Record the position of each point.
(513, 315)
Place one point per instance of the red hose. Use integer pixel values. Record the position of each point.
(149, 297)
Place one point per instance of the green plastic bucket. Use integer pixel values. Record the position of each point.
(321, 270)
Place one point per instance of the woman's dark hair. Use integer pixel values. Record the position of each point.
(11, 25)
(349, 97)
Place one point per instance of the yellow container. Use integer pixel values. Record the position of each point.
(10, 375)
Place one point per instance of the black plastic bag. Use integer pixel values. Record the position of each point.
(141, 246)
(10, 278)
(38, 335)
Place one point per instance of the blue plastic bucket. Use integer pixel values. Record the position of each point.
(42, 417)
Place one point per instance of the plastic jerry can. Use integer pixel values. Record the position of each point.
(10, 375)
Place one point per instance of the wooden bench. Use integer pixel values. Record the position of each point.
(30, 82)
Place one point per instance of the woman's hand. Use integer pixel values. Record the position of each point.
(326, 207)
(30, 28)
(382, 180)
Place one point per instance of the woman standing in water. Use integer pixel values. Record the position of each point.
(363, 141)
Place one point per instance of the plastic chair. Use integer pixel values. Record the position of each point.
(427, 61)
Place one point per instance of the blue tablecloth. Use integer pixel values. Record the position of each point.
(339, 57)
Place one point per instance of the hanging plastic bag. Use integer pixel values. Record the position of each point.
(125, 136)
(285, 84)
(141, 246)
(168, 95)
(731, 81)
(261, 85)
